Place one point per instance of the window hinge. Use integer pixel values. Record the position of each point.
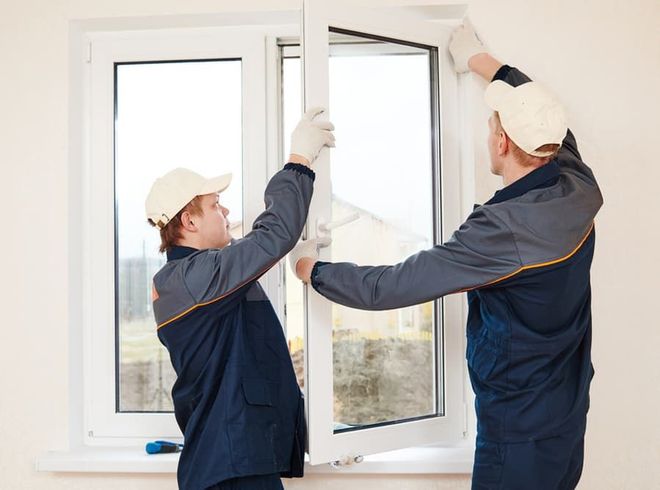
(346, 461)
(88, 53)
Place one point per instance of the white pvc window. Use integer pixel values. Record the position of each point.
(157, 101)
(379, 381)
(144, 119)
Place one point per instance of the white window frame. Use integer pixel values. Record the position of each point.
(102, 424)
(345, 447)
(88, 214)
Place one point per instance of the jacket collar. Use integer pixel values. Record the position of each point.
(179, 252)
(544, 176)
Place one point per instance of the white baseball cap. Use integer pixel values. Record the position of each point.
(530, 115)
(170, 193)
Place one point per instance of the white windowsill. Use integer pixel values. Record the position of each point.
(421, 460)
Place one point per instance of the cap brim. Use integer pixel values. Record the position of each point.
(215, 184)
(496, 93)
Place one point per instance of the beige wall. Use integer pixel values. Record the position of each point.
(602, 56)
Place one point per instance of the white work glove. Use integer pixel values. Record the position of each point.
(310, 136)
(307, 248)
(463, 45)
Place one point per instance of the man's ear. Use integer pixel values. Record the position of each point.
(188, 221)
(502, 144)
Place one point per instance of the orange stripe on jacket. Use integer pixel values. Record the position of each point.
(194, 307)
(533, 266)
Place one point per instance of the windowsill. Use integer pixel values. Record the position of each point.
(420, 460)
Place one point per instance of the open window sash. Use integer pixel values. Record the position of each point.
(331, 439)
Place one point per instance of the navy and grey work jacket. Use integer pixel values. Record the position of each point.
(524, 256)
(236, 398)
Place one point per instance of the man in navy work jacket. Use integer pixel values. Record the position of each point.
(236, 398)
(524, 258)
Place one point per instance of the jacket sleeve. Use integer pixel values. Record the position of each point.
(215, 273)
(481, 252)
(569, 156)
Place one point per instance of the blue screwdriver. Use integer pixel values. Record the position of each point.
(159, 447)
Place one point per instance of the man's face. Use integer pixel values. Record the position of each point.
(213, 225)
(494, 136)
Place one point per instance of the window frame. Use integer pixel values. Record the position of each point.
(102, 424)
(345, 447)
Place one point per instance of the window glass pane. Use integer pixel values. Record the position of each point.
(381, 171)
(384, 363)
(168, 115)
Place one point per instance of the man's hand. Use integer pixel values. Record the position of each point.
(310, 136)
(304, 255)
(463, 45)
(304, 268)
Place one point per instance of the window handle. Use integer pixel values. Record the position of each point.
(323, 228)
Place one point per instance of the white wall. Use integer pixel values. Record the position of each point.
(602, 57)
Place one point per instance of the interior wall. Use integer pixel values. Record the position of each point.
(601, 57)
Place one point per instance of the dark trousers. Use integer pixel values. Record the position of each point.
(548, 464)
(256, 482)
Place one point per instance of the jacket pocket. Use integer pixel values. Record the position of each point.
(253, 437)
(257, 392)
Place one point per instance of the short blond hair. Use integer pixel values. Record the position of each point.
(522, 157)
(170, 234)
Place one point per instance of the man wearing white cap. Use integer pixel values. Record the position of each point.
(236, 399)
(524, 258)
